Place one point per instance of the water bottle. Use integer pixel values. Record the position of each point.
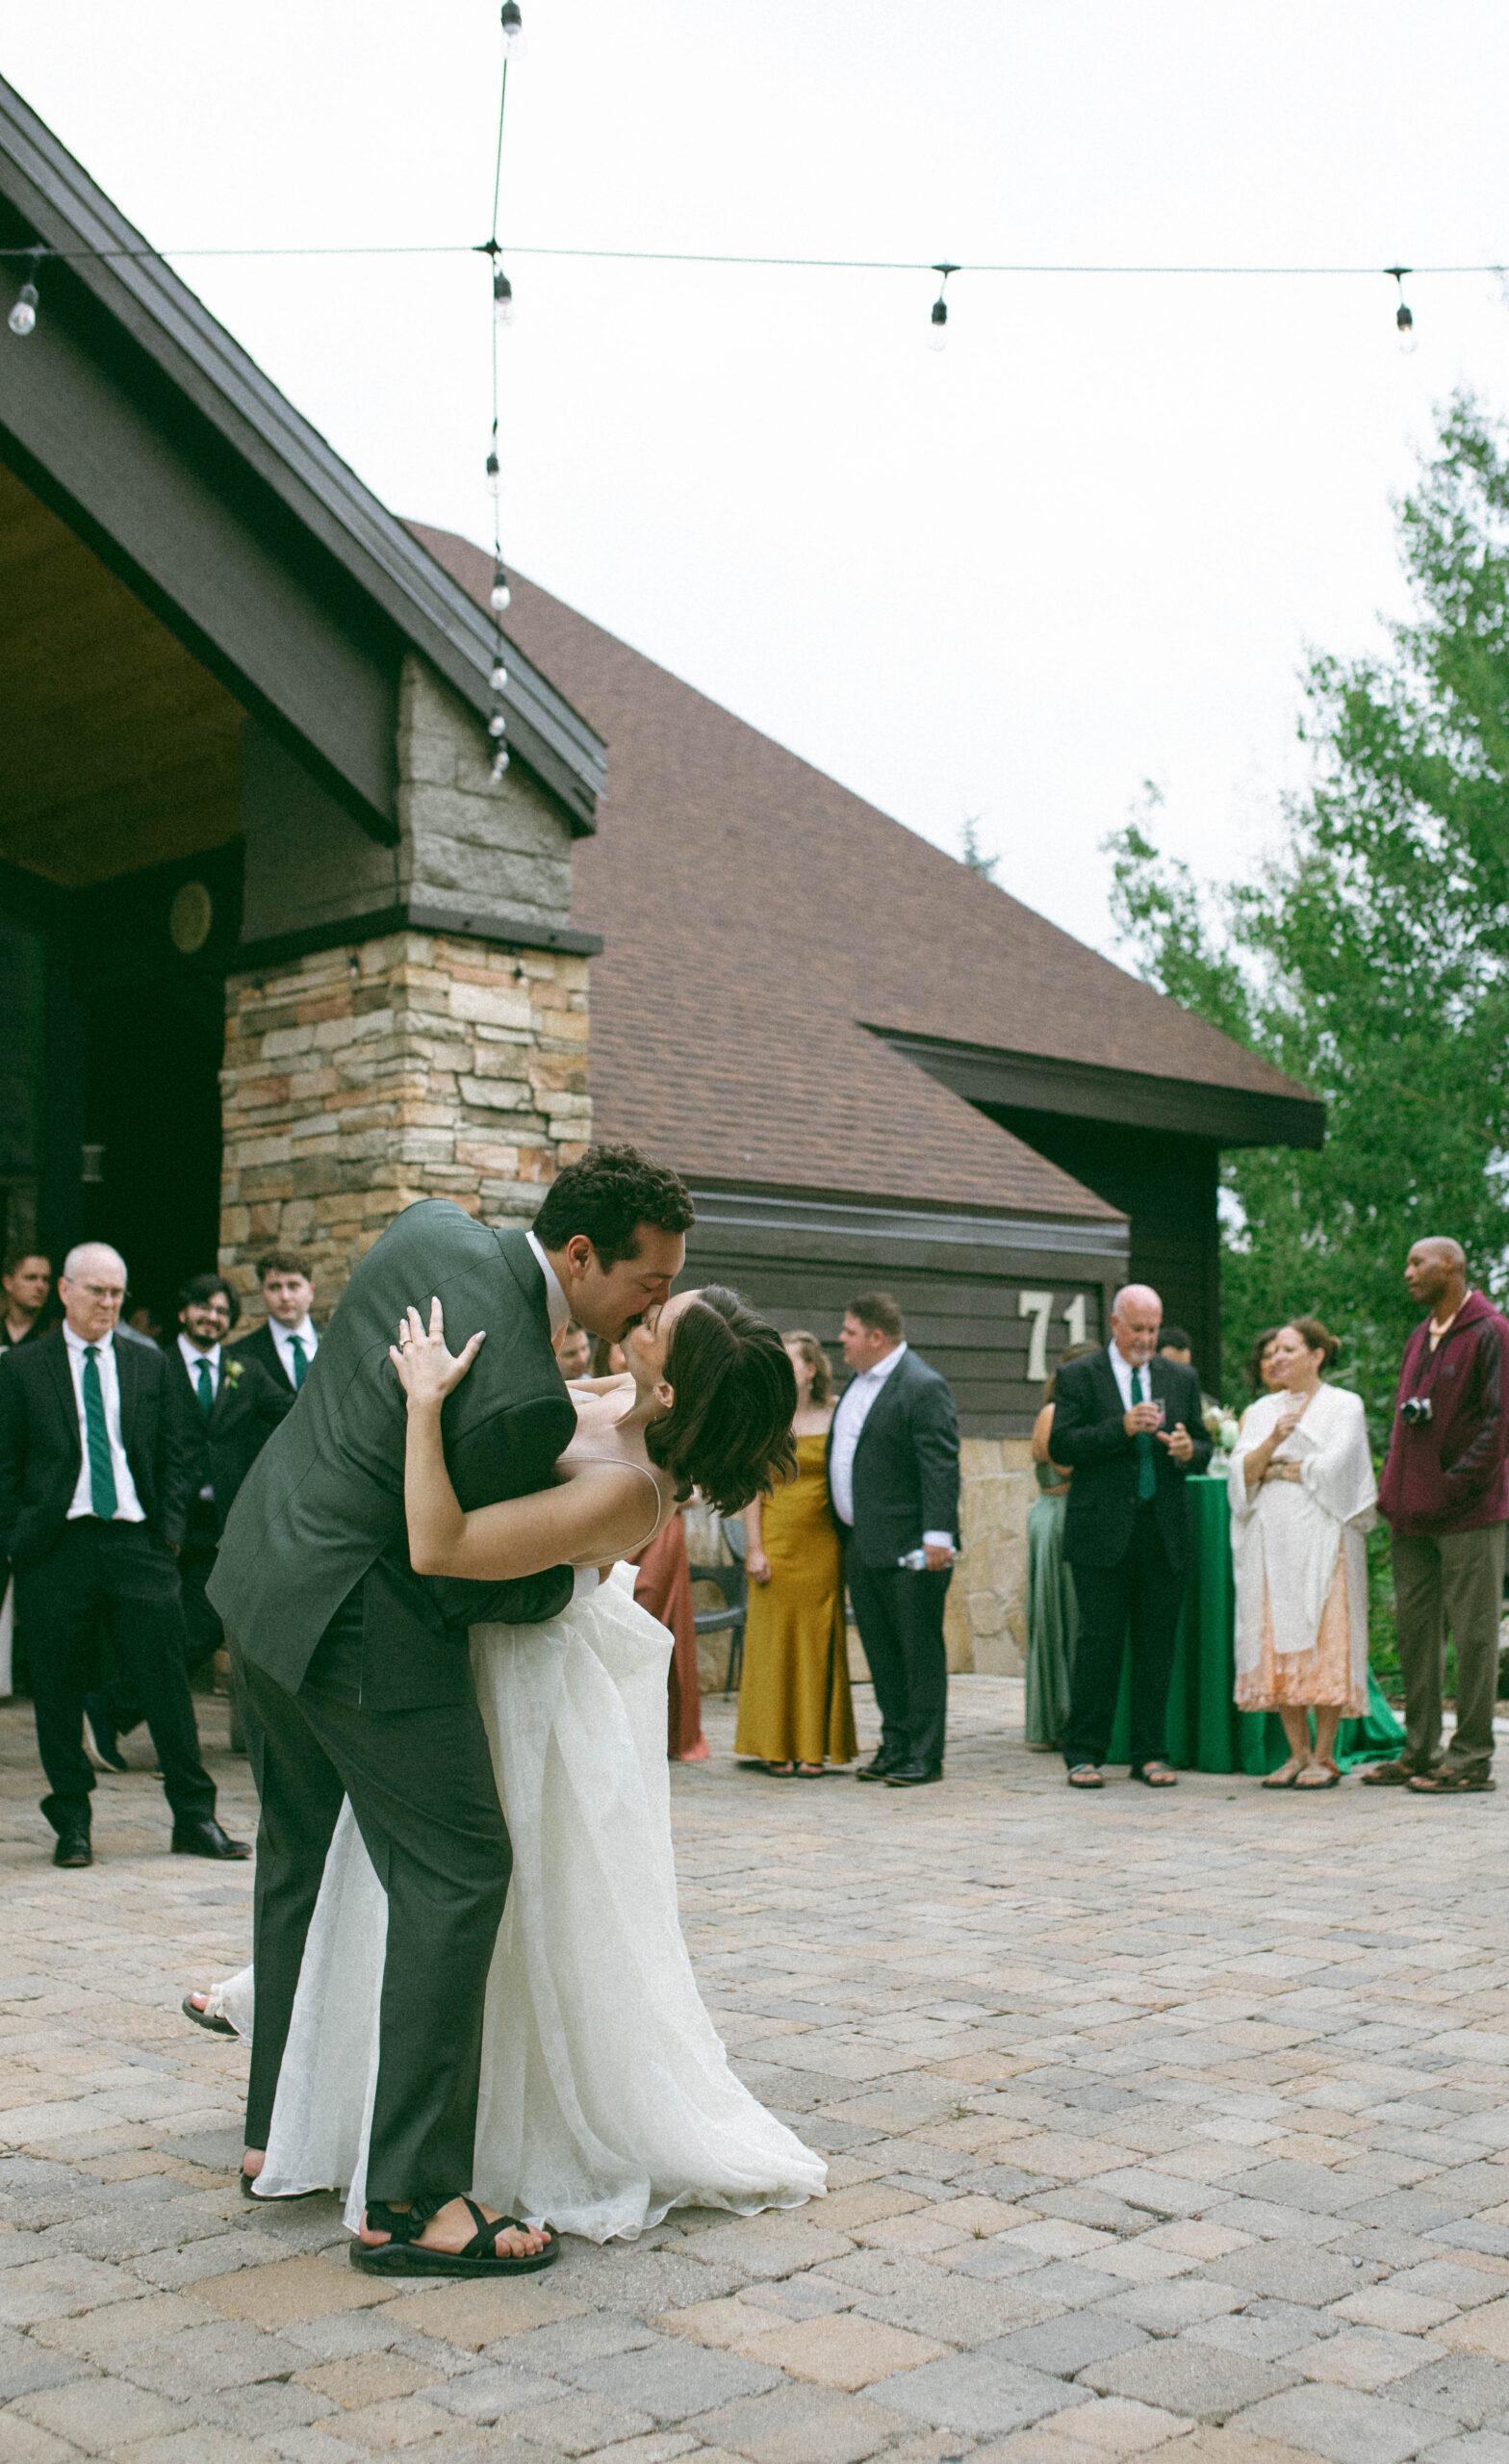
(914, 1562)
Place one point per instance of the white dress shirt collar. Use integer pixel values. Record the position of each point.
(79, 1345)
(193, 1359)
(1124, 1371)
(128, 1505)
(284, 1336)
(555, 1300)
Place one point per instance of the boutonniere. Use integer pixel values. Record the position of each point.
(230, 1372)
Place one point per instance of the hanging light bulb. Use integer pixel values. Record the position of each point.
(937, 332)
(1403, 314)
(497, 724)
(502, 298)
(499, 595)
(511, 17)
(500, 761)
(22, 319)
(499, 679)
(494, 478)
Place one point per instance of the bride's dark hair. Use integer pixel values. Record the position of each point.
(728, 1431)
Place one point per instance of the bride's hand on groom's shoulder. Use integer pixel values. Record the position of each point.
(426, 1371)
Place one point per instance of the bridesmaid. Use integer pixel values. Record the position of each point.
(795, 1709)
(1053, 1617)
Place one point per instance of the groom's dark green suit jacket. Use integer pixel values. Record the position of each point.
(322, 1505)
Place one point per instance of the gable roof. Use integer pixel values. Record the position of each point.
(766, 930)
(123, 355)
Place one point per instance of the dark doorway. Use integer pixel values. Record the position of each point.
(134, 1047)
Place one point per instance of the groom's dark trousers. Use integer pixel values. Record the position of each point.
(358, 1676)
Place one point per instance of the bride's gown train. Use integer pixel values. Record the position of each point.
(607, 2097)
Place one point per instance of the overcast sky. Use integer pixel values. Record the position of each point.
(1085, 546)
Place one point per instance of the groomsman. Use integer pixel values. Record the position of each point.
(893, 1477)
(234, 1407)
(96, 1474)
(288, 1342)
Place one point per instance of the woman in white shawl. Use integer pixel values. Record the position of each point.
(1302, 1497)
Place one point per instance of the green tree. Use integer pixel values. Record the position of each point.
(1369, 956)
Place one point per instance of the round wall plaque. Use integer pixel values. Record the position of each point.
(190, 918)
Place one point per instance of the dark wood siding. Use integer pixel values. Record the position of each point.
(962, 1300)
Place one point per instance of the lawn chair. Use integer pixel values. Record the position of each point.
(730, 1618)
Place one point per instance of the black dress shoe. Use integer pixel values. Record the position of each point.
(206, 1839)
(880, 1769)
(913, 1775)
(104, 1750)
(73, 1849)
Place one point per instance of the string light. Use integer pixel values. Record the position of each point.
(1403, 314)
(502, 298)
(22, 319)
(511, 25)
(937, 338)
(512, 17)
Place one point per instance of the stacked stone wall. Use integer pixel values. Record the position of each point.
(360, 1078)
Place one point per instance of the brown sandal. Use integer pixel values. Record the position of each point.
(1287, 1776)
(1320, 1762)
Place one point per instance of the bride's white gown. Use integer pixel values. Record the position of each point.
(607, 2097)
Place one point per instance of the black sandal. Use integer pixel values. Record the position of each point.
(203, 2019)
(1156, 1774)
(404, 2255)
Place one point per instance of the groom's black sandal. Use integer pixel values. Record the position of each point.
(205, 2019)
(404, 2255)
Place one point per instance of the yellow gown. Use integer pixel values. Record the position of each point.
(794, 1699)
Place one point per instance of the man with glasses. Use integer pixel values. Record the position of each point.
(96, 1470)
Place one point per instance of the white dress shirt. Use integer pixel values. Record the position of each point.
(128, 1505)
(193, 1360)
(855, 1406)
(1124, 1371)
(284, 1337)
(555, 1300)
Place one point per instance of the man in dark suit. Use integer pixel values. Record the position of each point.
(893, 1477)
(357, 1671)
(95, 1469)
(286, 1343)
(235, 1406)
(1127, 1422)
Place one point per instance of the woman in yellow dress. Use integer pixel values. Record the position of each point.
(795, 1708)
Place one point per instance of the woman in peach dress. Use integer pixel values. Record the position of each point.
(1302, 1498)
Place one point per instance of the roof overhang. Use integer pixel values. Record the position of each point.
(1033, 1081)
(135, 416)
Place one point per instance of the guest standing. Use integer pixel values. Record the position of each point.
(893, 1475)
(1122, 1422)
(95, 1470)
(663, 1587)
(1445, 1498)
(27, 1285)
(1053, 1617)
(796, 1713)
(1259, 1363)
(288, 1342)
(1302, 1497)
(574, 1355)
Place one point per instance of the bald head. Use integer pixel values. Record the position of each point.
(92, 1288)
(1137, 1313)
(1435, 1276)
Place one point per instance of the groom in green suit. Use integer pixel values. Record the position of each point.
(356, 1670)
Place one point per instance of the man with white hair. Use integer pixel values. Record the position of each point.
(96, 1467)
(1127, 1422)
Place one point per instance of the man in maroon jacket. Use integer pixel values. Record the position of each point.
(1445, 1498)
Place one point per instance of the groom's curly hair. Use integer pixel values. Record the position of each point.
(609, 1195)
(728, 1431)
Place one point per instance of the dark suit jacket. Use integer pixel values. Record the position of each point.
(905, 1465)
(260, 1347)
(40, 1454)
(249, 1406)
(322, 1505)
(1087, 1435)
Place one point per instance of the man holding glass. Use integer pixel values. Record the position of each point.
(1127, 1421)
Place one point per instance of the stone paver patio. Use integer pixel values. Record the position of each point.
(1155, 2122)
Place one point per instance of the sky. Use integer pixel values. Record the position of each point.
(1088, 544)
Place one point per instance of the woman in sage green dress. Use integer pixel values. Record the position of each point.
(1053, 1620)
(796, 1714)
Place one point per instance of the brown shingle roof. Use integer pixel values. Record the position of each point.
(755, 912)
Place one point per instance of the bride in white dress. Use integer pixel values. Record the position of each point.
(606, 2097)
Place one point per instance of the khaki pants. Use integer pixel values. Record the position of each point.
(1455, 1582)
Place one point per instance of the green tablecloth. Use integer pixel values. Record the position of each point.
(1205, 1731)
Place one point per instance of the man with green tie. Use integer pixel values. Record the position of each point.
(1127, 1422)
(288, 1342)
(96, 1468)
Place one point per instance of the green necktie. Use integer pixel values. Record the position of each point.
(102, 1472)
(300, 1364)
(1146, 1463)
(206, 1390)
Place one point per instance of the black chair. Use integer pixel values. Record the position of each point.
(730, 1618)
